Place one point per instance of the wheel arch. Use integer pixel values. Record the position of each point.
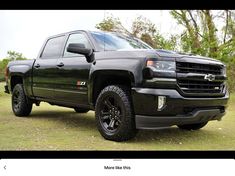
(102, 78)
(20, 74)
(16, 79)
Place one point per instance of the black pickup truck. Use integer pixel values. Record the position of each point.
(130, 85)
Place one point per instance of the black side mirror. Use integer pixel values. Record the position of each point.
(80, 48)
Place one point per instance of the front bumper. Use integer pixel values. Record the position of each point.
(178, 110)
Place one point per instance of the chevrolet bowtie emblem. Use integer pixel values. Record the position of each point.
(209, 77)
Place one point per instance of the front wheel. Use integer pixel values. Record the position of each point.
(21, 104)
(114, 114)
(195, 126)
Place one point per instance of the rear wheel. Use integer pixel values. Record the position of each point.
(81, 110)
(114, 114)
(21, 105)
(195, 126)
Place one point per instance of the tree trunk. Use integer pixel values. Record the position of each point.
(213, 42)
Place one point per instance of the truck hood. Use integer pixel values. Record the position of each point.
(168, 54)
(21, 62)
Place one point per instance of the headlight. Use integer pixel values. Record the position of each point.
(163, 66)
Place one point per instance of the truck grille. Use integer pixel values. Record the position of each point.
(186, 67)
(191, 81)
(190, 86)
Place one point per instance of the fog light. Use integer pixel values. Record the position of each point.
(161, 102)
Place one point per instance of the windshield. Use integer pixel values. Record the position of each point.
(115, 41)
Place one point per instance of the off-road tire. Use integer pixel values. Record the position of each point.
(21, 104)
(125, 129)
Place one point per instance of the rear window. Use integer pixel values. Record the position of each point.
(53, 47)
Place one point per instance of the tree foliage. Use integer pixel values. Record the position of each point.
(111, 24)
(13, 55)
(144, 29)
(141, 28)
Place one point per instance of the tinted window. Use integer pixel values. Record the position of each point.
(76, 38)
(115, 41)
(53, 47)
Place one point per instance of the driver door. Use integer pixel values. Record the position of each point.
(73, 73)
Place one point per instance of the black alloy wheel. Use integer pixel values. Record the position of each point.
(16, 100)
(115, 118)
(111, 113)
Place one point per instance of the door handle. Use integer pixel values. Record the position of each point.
(37, 66)
(60, 64)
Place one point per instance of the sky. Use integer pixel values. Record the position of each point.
(25, 31)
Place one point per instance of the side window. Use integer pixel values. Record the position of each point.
(53, 47)
(76, 38)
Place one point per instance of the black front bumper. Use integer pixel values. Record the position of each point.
(151, 122)
(178, 109)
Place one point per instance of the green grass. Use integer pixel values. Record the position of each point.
(56, 128)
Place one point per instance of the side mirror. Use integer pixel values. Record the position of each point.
(80, 48)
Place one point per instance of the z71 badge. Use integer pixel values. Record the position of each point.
(81, 83)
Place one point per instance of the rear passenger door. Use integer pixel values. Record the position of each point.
(45, 69)
(73, 73)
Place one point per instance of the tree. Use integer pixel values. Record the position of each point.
(190, 38)
(12, 55)
(141, 28)
(144, 29)
(200, 35)
(167, 44)
(112, 24)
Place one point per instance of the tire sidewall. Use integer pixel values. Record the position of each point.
(127, 129)
(25, 106)
(17, 88)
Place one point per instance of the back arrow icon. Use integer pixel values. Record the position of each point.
(4, 167)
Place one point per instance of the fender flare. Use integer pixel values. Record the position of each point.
(96, 73)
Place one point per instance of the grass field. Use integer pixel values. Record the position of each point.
(56, 128)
